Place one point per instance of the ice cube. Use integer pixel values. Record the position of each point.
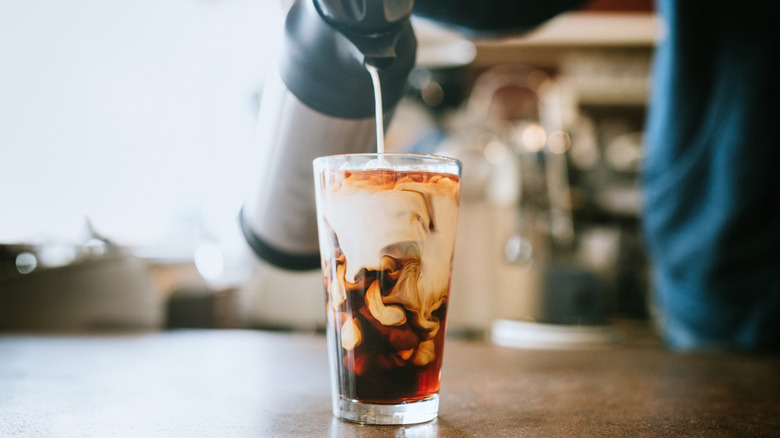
(373, 164)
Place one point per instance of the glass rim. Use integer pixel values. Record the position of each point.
(397, 161)
(393, 155)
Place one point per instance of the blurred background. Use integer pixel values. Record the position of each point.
(126, 151)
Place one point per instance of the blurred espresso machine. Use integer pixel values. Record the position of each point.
(514, 261)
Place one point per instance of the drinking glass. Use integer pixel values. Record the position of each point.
(386, 227)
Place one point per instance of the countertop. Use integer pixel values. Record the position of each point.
(239, 383)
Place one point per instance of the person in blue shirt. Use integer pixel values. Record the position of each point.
(711, 171)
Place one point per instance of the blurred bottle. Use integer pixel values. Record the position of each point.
(320, 102)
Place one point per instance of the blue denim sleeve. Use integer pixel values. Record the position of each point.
(711, 179)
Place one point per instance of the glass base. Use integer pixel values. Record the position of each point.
(415, 412)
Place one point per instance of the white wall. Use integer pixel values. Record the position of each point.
(136, 113)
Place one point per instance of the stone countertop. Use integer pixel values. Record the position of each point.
(236, 383)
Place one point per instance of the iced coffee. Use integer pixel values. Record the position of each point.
(387, 235)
